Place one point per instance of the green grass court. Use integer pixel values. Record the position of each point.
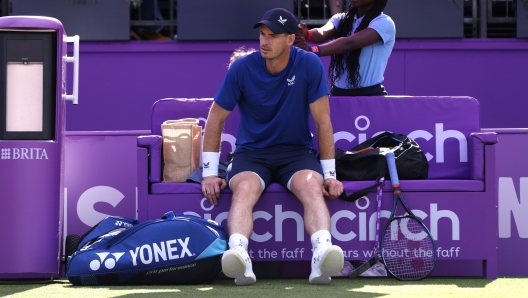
(271, 288)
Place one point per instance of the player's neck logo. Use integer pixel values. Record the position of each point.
(291, 81)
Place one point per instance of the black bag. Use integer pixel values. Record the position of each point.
(367, 161)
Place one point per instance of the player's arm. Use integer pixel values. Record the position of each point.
(318, 35)
(213, 128)
(343, 45)
(212, 184)
(320, 110)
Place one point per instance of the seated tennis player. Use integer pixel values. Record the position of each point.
(276, 89)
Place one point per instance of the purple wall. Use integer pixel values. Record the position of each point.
(119, 81)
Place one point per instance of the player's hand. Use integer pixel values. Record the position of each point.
(332, 188)
(300, 40)
(211, 187)
(304, 29)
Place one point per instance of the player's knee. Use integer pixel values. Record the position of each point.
(307, 180)
(246, 184)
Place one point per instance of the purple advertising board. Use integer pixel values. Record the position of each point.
(279, 228)
(512, 184)
(100, 180)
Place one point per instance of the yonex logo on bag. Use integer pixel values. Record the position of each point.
(109, 263)
(123, 224)
(24, 153)
(155, 252)
(281, 20)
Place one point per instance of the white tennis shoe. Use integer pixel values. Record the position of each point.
(327, 260)
(236, 264)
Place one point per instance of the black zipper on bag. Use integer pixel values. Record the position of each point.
(127, 232)
(123, 235)
(393, 138)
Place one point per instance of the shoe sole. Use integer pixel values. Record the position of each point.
(331, 264)
(233, 266)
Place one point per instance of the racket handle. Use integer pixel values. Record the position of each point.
(364, 267)
(391, 163)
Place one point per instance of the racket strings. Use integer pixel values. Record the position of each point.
(407, 249)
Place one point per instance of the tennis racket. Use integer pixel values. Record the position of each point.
(375, 255)
(407, 247)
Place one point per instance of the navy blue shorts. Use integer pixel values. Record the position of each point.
(274, 164)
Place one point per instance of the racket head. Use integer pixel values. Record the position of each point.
(408, 250)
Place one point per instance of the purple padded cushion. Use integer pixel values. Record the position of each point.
(350, 186)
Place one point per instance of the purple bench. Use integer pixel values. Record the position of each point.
(457, 202)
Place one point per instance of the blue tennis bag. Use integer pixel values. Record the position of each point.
(177, 249)
(104, 226)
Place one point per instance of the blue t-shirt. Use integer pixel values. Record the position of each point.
(274, 108)
(373, 59)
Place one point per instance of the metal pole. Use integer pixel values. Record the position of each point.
(171, 16)
(474, 15)
(5, 7)
(308, 10)
(299, 10)
(483, 18)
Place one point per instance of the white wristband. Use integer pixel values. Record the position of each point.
(328, 166)
(210, 162)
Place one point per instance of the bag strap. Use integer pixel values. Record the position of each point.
(362, 192)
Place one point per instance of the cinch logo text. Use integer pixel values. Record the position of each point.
(362, 222)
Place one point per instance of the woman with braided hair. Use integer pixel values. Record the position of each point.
(360, 42)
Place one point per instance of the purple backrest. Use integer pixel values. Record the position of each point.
(441, 125)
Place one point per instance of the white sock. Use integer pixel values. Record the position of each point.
(237, 239)
(321, 237)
